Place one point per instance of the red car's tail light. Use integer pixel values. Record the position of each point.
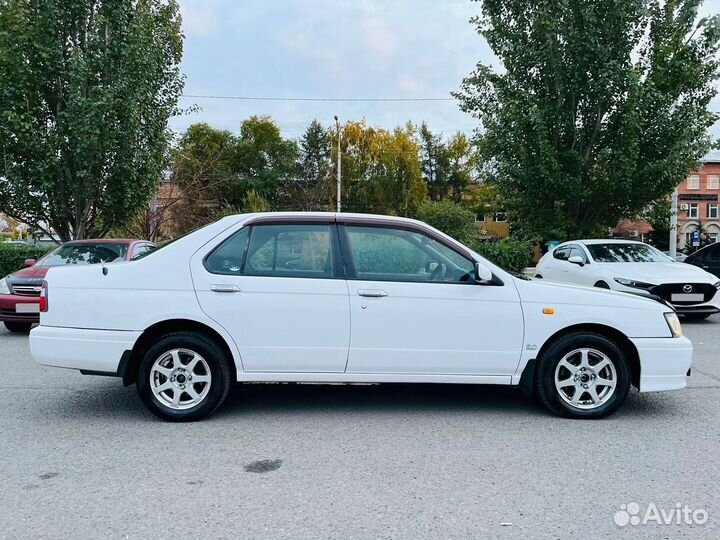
(44, 297)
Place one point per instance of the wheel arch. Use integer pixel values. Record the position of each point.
(613, 334)
(162, 328)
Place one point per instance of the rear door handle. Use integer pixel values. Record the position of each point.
(373, 293)
(225, 288)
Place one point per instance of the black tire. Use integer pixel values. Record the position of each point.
(18, 327)
(217, 361)
(602, 285)
(696, 316)
(549, 395)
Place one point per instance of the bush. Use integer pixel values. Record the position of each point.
(12, 257)
(450, 218)
(508, 253)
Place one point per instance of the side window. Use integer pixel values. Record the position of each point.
(576, 251)
(712, 253)
(562, 253)
(138, 250)
(387, 254)
(290, 251)
(228, 257)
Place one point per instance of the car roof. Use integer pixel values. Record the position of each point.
(592, 241)
(102, 241)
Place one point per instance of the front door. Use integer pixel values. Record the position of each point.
(415, 307)
(278, 289)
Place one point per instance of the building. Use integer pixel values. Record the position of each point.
(698, 202)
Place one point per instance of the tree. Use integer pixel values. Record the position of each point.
(602, 107)
(450, 218)
(263, 161)
(312, 190)
(87, 89)
(448, 167)
(381, 170)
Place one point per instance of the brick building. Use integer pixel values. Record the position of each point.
(698, 202)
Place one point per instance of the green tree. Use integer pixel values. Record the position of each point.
(263, 161)
(312, 190)
(381, 170)
(601, 108)
(87, 89)
(450, 218)
(448, 167)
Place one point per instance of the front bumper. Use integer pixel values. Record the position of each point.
(8, 308)
(97, 351)
(664, 362)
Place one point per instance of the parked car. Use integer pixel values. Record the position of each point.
(348, 298)
(20, 291)
(633, 267)
(707, 258)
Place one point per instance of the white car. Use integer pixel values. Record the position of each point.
(634, 267)
(348, 298)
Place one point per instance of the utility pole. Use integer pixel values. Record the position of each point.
(673, 224)
(338, 206)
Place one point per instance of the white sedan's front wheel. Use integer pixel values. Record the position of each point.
(184, 376)
(583, 375)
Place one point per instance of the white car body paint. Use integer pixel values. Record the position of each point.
(317, 330)
(656, 273)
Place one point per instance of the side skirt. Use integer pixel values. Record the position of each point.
(350, 378)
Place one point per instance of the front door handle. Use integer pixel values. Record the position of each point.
(225, 288)
(373, 293)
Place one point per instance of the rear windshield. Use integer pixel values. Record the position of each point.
(85, 254)
(610, 253)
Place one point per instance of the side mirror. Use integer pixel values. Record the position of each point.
(30, 262)
(576, 259)
(482, 273)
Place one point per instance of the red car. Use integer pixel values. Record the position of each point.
(20, 291)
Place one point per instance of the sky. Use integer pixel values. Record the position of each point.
(333, 49)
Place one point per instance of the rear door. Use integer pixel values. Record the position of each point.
(277, 287)
(416, 309)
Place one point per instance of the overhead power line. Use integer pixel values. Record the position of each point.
(267, 98)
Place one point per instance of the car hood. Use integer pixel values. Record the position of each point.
(31, 272)
(657, 273)
(539, 290)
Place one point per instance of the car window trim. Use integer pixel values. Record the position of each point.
(351, 271)
(337, 271)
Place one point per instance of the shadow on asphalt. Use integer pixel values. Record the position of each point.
(111, 400)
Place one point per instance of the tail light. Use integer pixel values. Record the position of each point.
(44, 297)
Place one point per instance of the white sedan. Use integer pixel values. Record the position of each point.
(633, 267)
(348, 298)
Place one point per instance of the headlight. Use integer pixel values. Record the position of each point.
(634, 284)
(4, 289)
(717, 284)
(674, 324)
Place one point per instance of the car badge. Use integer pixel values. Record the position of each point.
(687, 288)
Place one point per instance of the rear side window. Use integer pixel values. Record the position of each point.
(290, 251)
(228, 258)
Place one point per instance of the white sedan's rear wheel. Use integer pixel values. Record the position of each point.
(184, 376)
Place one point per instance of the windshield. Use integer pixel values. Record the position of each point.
(84, 254)
(613, 253)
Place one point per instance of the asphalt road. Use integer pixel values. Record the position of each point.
(82, 459)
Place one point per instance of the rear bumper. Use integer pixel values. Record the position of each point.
(8, 312)
(97, 351)
(664, 363)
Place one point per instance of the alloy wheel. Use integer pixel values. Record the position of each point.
(180, 379)
(585, 378)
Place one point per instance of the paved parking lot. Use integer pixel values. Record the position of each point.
(82, 459)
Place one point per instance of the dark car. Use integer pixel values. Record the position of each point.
(707, 258)
(20, 291)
